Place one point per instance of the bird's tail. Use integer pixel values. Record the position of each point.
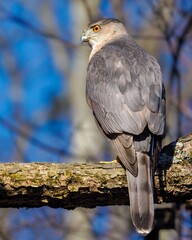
(141, 195)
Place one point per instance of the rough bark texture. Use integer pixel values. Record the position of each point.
(89, 185)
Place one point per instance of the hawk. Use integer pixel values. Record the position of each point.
(125, 92)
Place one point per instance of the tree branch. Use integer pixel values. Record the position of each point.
(89, 185)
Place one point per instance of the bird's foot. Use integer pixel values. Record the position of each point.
(105, 162)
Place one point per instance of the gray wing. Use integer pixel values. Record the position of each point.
(126, 91)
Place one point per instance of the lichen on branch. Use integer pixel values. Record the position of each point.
(90, 185)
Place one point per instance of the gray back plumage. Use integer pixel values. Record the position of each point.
(125, 84)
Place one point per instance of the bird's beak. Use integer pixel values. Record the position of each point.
(84, 37)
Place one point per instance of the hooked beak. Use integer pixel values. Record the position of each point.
(84, 37)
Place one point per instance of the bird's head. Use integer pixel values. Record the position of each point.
(102, 30)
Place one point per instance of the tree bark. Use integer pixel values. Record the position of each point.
(90, 185)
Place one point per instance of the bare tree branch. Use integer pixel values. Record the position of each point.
(37, 142)
(89, 185)
(33, 28)
(6, 123)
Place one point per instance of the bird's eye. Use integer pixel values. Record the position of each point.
(96, 28)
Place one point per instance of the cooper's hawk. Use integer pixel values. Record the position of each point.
(125, 91)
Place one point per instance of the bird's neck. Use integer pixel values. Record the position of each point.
(96, 46)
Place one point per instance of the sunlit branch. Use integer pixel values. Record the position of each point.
(90, 185)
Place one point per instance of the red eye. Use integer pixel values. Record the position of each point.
(96, 28)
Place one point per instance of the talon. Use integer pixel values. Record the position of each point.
(105, 162)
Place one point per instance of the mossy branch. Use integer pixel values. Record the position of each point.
(90, 185)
